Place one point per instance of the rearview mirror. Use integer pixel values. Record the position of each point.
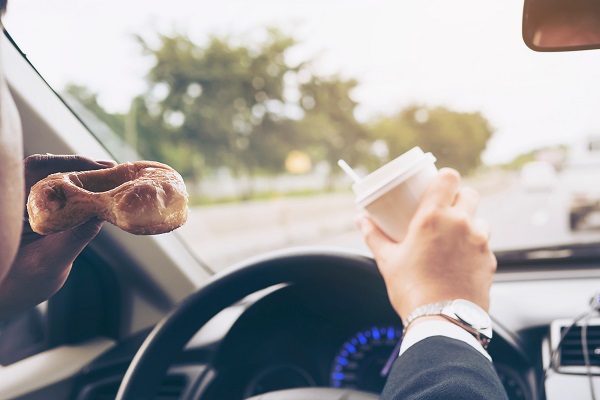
(561, 25)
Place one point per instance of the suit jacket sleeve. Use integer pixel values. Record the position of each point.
(439, 367)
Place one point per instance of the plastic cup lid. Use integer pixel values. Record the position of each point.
(390, 175)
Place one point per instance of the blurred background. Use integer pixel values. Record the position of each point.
(254, 103)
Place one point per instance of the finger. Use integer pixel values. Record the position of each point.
(70, 243)
(107, 163)
(85, 232)
(61, 163)
(377, 241)
(467, 200)
(482, 227)
(39, 166)
(442, 191)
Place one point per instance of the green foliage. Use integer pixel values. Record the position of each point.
(556, 155)
(519, 161)
(89, 100)
(330, 127)
(223, 102)
(456, 139)
(243, 107)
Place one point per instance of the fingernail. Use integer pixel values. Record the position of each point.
(108, 163)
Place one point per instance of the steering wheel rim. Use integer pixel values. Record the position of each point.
(171, 334)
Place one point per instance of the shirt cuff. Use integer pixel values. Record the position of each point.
(426, 329)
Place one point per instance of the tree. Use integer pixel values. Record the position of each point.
(221, 101)
(457, 139)
(89, 99)
(331, 129)
(227, 104)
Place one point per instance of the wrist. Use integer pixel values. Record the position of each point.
(420, 320)
(460, 312)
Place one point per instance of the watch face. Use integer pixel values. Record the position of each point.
(471, 314)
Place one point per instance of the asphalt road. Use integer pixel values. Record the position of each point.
(519, 218)
(222, 235)
(524, 218)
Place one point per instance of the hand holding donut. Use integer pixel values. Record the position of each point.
(43, 262)
(143, 197)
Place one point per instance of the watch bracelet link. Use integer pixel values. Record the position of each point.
(432, 309)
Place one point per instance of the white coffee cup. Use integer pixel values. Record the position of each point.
(392, 193)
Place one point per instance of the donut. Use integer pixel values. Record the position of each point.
(142, 197)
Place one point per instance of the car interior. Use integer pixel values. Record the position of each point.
(143, 317)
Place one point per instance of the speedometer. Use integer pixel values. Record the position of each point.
(359, 361)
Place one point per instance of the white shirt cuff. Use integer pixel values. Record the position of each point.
(430, 328)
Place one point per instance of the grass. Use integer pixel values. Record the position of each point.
(198, 200)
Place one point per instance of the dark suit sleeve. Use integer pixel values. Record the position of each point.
(443, 368)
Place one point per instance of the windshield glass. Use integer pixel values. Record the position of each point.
(255, 102)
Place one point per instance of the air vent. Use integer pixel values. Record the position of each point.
(571, 349)
(570, 358)
(171, 388)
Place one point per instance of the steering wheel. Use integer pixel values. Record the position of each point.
(170, 335)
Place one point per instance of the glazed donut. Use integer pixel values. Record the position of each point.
(143, 198)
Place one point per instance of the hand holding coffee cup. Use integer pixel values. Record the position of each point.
(429, 244)
(445, 254)
(392, 193)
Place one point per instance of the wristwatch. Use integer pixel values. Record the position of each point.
(463, 313)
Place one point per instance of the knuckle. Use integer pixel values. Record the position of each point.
(493, 263)
(430, 220)
(480, 239)
(450, 175)
(462, 223)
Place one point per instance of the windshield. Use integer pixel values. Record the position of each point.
(254, 103)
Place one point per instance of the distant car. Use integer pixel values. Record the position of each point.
(584, 198)
(538, 175)
(581, 177)
(581, 206)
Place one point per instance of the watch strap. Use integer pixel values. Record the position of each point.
(441, 309)
(424, 311)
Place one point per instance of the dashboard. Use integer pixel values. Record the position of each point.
(299, 336)
(344, 335)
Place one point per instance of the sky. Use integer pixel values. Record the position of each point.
(467, 55)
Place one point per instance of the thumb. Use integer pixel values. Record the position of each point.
(374, 237)
(57, 251)
(70, 243)
(81, 235)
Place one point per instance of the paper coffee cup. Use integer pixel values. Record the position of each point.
(392, 193)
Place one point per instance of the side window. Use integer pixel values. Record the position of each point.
(87, 306)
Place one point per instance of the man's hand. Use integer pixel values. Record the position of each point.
(445, 254)
(43, 263)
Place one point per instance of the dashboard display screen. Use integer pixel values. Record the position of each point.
(361, 359)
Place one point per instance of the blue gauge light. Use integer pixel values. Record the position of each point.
(360, 359)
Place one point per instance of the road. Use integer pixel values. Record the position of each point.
(522, 218)
(224, 234)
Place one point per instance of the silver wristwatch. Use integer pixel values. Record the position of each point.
(463, 313)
